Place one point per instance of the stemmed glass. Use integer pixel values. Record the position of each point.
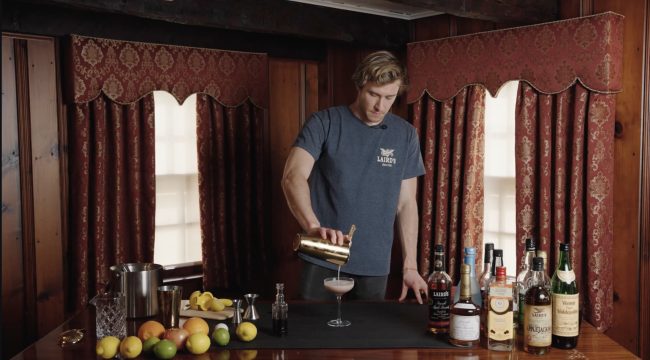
(338, 286)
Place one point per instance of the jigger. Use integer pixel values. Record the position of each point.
(236, 317)
(251, 312)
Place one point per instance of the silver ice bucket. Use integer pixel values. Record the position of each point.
(139, 281)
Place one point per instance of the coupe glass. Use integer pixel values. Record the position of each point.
(338, 286)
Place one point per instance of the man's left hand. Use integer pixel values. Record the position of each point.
(413, 280)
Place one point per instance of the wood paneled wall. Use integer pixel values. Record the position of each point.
(32, 256)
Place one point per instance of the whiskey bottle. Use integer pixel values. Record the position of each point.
(500, 321)
(547, 279)
(497, 261)
(464, 323)
(279, 312)
(486, 276)
(484, 282)
(440, 284)
(566, 314)
(537, 312)
(475, 289)
(526, 265)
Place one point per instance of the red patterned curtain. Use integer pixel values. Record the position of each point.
(112, 194)
(231, 193)
(565, 162)
(564, 170)
(451, 195)
(112, 166)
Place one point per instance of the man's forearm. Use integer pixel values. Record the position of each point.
(296, 191)
(407, 220)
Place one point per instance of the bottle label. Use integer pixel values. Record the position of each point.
(439, 305)
(500, 326)
(465, 328)
(566, 276)
(566, 314)
(538, 325)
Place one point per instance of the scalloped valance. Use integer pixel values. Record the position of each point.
(550, 56)
(125, 71)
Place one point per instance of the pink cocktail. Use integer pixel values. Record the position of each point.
(338, 286)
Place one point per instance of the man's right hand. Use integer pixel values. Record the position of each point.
(335, 236)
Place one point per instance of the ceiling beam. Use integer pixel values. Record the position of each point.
(500, 11)
(258, 16)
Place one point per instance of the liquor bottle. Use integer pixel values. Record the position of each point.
(538, 312)
(440, 284)
(500, 322)
(566, 304)
(280, 312)
(497, 261)
(484, 282)
(486, 276)
(464, 322)
(547, 279)
(526, 265)
(475, 288)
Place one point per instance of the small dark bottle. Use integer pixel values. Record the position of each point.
(280, 312)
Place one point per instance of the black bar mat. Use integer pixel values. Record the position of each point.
(374, 325)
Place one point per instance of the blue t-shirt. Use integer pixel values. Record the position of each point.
(356, 179)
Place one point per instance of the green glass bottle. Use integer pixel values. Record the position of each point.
(566, 303)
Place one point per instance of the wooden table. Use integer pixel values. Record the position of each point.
(591, 345)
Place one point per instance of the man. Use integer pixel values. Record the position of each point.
(358, 164)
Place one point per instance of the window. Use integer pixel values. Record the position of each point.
(178, 232)
(499, 207)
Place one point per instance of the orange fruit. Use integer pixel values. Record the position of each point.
(196, 325)
(149, 329)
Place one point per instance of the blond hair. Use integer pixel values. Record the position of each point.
(381, 67)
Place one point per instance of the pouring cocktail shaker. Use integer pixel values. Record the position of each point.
(323, 248)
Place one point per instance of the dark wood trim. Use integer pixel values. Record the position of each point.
(63, 164)
(644, 213)
(26, 188)
(586, 7)
(505, 11)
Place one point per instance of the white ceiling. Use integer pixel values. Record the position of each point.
(375, 7)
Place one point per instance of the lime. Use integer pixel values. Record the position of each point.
(164, 349)
(148, 344)
(221, 336)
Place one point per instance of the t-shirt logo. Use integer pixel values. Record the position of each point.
(387, 157)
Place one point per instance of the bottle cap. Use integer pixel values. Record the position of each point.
(489, 252)
(501, 271)
(470, 251)
(538, 264)
(530, 244)
(279, 286)
(564, 247)
(439, 248)
(498, 252)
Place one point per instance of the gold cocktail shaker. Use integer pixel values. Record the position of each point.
(323, 248)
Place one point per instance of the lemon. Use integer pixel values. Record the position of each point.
(225, 302)
(107, 347)
(246, 331)
(207, 293)
(216, 305)
(197, 343)
(203, 301)
(195, 294)
(131, 347)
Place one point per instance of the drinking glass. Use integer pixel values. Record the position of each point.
(110, 315)
(338, 286)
